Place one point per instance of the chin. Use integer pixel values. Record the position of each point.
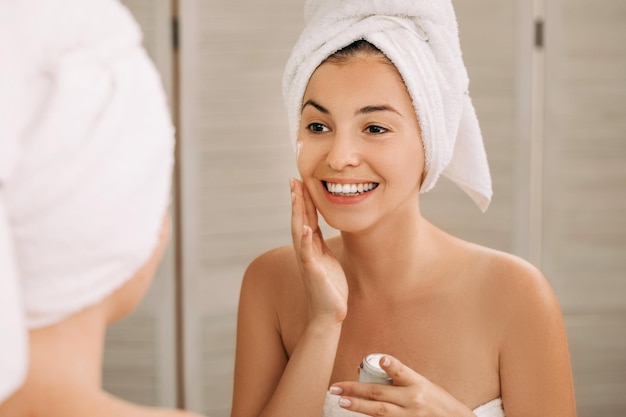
(348, 223)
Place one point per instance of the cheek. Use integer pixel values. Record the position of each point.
(302, 165)
(298, 149)
(408, 167)
(307, 158)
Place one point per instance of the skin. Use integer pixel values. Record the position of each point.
(65, 364)
(461, 324)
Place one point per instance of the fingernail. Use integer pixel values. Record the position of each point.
(292, 183)
(386, 361)
(335, 390)
(344, 402)
(293, 197)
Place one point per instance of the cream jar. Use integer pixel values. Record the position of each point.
(370, 370)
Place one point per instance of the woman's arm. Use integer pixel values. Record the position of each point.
(268, 382)
(535, 370)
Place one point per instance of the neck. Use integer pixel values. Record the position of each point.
(391, 257)
(72, 348)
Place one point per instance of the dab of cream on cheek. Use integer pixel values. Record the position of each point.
(298, 149)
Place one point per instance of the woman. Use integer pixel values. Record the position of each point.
(376, 93)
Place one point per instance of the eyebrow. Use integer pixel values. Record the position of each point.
(319, 107)
(363, 110)
(372, 109)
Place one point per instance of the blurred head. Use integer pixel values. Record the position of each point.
(126, 298)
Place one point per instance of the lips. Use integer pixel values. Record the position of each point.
(348, 190)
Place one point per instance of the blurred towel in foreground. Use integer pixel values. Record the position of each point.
(86, 152)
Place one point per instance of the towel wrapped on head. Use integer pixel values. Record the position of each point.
(420, 37)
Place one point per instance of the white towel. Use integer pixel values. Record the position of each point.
(421, 38)
(13, 340)
(86, 153)
(332, 409)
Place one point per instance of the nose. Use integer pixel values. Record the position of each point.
(343, 152)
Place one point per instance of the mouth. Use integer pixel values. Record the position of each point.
(349, 190)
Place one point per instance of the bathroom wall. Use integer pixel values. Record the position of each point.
(584, 192)
(554, 120)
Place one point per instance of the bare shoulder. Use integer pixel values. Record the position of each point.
(516, 292)
(272, 272)
(273, 261)
(490, 272)
(516, 280)
(533, 358)
(273, 300)
(497, 285)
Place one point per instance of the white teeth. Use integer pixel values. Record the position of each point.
(350, 189)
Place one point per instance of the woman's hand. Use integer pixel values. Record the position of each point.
(410, 395)
(321, 272)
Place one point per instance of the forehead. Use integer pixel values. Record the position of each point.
(357, 79)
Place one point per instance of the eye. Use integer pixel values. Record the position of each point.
(318, 128)
(376, 130)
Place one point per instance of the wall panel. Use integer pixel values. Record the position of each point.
(584, 231)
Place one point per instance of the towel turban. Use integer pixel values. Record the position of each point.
(420, 37)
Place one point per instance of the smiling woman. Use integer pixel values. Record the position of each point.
(464, 330)
(356, 138)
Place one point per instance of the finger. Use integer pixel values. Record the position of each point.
(297, 212)
(366, 396)
(302, 232)
(306, 246)
(310, 210)
(369, 407)
(364, 390)
(400, 374)
(312, 220)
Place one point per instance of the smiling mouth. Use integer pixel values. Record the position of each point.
(349, 190)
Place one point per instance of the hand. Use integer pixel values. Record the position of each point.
(410, 395)
(321, 272)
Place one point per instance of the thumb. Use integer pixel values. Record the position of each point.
(400, 374)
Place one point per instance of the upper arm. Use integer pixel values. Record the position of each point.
(535, 367)
(260, 356)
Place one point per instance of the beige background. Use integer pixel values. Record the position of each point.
(554, 122)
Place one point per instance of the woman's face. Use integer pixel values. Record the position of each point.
(360, 152)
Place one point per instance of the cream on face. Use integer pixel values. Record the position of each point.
(298, 148)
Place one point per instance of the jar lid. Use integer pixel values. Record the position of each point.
(371, 364)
